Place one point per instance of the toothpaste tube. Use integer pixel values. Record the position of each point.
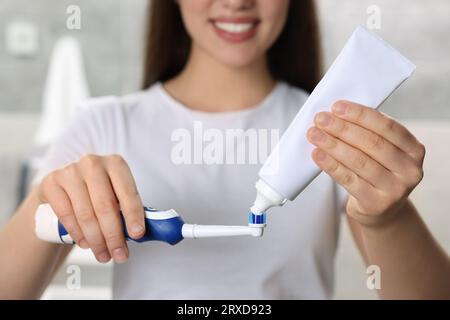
(367, 71)
(166, 226)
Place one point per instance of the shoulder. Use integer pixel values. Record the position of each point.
(113, 108)
(110, 105)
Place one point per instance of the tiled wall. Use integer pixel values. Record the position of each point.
(111, 36)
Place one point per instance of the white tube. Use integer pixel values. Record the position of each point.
(367, 71)
(205, 231)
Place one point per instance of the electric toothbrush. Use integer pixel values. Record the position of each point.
(166, 226)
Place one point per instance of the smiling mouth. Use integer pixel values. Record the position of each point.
(235, 29)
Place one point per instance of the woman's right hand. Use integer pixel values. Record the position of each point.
(86, 196)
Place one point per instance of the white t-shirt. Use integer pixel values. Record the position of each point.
(293, 260)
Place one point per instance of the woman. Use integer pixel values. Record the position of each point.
(227, 64)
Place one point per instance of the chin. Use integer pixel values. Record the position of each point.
(237, 58)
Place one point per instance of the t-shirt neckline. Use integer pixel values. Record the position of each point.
(263, 105)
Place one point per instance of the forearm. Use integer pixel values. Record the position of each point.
(412, 264)
(27, 263)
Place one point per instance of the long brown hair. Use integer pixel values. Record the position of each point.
(295, 57)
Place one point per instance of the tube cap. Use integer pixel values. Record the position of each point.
(266, 197)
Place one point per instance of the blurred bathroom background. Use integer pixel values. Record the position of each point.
(111, 39)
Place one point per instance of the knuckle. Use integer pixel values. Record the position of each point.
(347, 179)
(375, 142)
(64, 215)
(116, 160)
(68, 171)
(344, 129)
(97, 243)
(75, 234)
(360, 114)
(360, 161)
(71, 169)
(104, 206)
(56, 176)
(90, 161)
(416, 175)
(421, 150)
(49, 180)
(114, 239)
(66, 221)
(97, 246)
(389, 125)
(76, 237)
(85, 215)
(333, 168)
(72, 228)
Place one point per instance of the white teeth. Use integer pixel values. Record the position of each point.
(234, 27)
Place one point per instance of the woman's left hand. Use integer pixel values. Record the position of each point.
(376, 159)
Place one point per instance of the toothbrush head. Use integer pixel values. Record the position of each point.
(257, 219)
(257, 223)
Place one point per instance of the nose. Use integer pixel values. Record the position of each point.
(238, 4)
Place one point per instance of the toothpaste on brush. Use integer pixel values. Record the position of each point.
(367, 71)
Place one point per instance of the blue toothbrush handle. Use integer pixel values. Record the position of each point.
(166, 230)
(165, 226)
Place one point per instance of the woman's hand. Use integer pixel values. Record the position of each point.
(85, 196)
(376, 159)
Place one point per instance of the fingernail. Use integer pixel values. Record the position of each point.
(83, 244)
(119, 255)
(104, 257)
(137, 229)
(316, 134)
(320, 155)
(339, 108)
(323, 119)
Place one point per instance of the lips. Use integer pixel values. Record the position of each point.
(235, 29)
